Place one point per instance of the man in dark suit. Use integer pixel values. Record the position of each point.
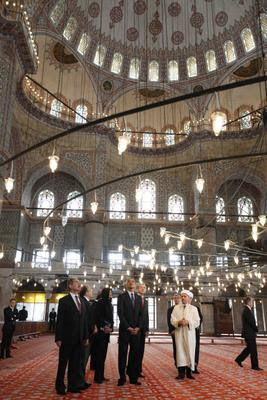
(52, 320)
(177, 300)
(249, 332)
(71, 335)
(23, 314)
(144, 327)
(130, 315)
(198, 331)
(10, 316)
(86, 295)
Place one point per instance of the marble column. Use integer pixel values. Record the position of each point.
(93, 238)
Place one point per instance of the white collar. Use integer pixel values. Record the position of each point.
(74, 296)
(248, 306)
(130, 293)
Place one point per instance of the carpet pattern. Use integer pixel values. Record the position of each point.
(31, 373)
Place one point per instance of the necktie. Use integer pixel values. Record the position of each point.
(132, 298)
(143, 302)
(78, 303)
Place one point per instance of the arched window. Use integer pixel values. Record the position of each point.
(248, 40)
(100, 55)
(117, 206)
(116, 63)
(75, 206)
(82, 113)
(245, 209)
(173, 70)
(211, 60)
(245, 121)
(187, 127)
(169, 137)
(70, 28)
(229, 51)
(153, 71)
(83, 44)
(134, 68)
(191, 63)
(45, 203)
(147, 139)
(220, 209)
(263, 18)
(56, 108)
(147, 202)
(175, 208)
(58, 12)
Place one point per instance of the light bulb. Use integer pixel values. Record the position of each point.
(94, 268)
(42, 240)
(136, 249)
(182, 236)
(64, 220)
(53, 162)
(254, 233)
(262, 219)
(167, 239)
(227, 244)
(138, 195)
(218, 123)
(45, 246)
(199, 243)
(207, 264)
(1, 254)
(236, 259)
(122, 144)
(120, 247)
(171, 250)
(179, 244)
(9, 184)
(153, 253)
(47, 230)
(162, 231)
(200, 184)
(53, 253)
(94, 206)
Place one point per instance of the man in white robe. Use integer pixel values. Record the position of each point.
(185, 319)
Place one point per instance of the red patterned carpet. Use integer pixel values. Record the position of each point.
(30, 375)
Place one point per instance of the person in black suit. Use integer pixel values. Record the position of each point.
(177, 300)
(71, 335)
(198, 330)
(23, 314)
(52, 320)
(130, 315)
(10, 316)
(144, 327)
(104, 323)
(86, 295)
(249, 332)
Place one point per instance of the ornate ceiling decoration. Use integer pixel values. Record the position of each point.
(250, 69)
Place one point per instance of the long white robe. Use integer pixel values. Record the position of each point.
(185, 336)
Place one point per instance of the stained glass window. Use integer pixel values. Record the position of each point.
(247, 39)
(153, 71)
(147, 202)
(175, 208)
(173, 70)
(229, 51)
(245, 209)
(245, 121)
(147, 139)
(220, 209)
(187, 127)
(116, 63)
(191, 67)
(57, 12)
(100, 55)
(75, 206)
(134, 68)
(81, 115)
(211, 60)
(117, 206)
(70, 28)
(56, 108)
(263, 18)
(83, 44)
(45, 203)
(169, 137)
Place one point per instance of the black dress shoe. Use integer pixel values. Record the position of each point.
(9, 356)
(74, 390)
(84, 386)
(196, 371)
(239, 363)
(61, 391)
(190, 376)
(98, 381)
(257, 369)
(136, 383)
(180, 377)
(121, 382)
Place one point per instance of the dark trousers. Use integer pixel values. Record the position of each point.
(6, 341)
(184, 371)
(250, 349)
(174, 349)
(93, 354)
(197, 347)
(52, 325)
(126, 340)
(86, 350)
(141, 350)
(101, 343)
(69, 354)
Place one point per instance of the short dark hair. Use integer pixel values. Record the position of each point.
(247, 300)
(12, 299)
(84, 289)
(71, 280)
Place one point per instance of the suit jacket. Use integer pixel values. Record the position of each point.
(52, 316)
(103, 314)
(10, 317)
(71, 326)
(169, 313)
(144, 326)
(250, 328)
(129, 316)
(200, 317)
(89, 306)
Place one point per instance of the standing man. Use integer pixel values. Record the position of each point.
(185, 319)
(10, 316)
(86, 295)
(198, 331)
(249, 332)
(130, 314)
(144, 327)
(177, 300)
(52, 320)
(23, 314)
(71, 335)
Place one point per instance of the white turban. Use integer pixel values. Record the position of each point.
(188, 293)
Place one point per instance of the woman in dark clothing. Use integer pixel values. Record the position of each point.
(104, 323)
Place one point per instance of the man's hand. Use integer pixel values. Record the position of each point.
(130, 329)
(173, 333)
(58, 343)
